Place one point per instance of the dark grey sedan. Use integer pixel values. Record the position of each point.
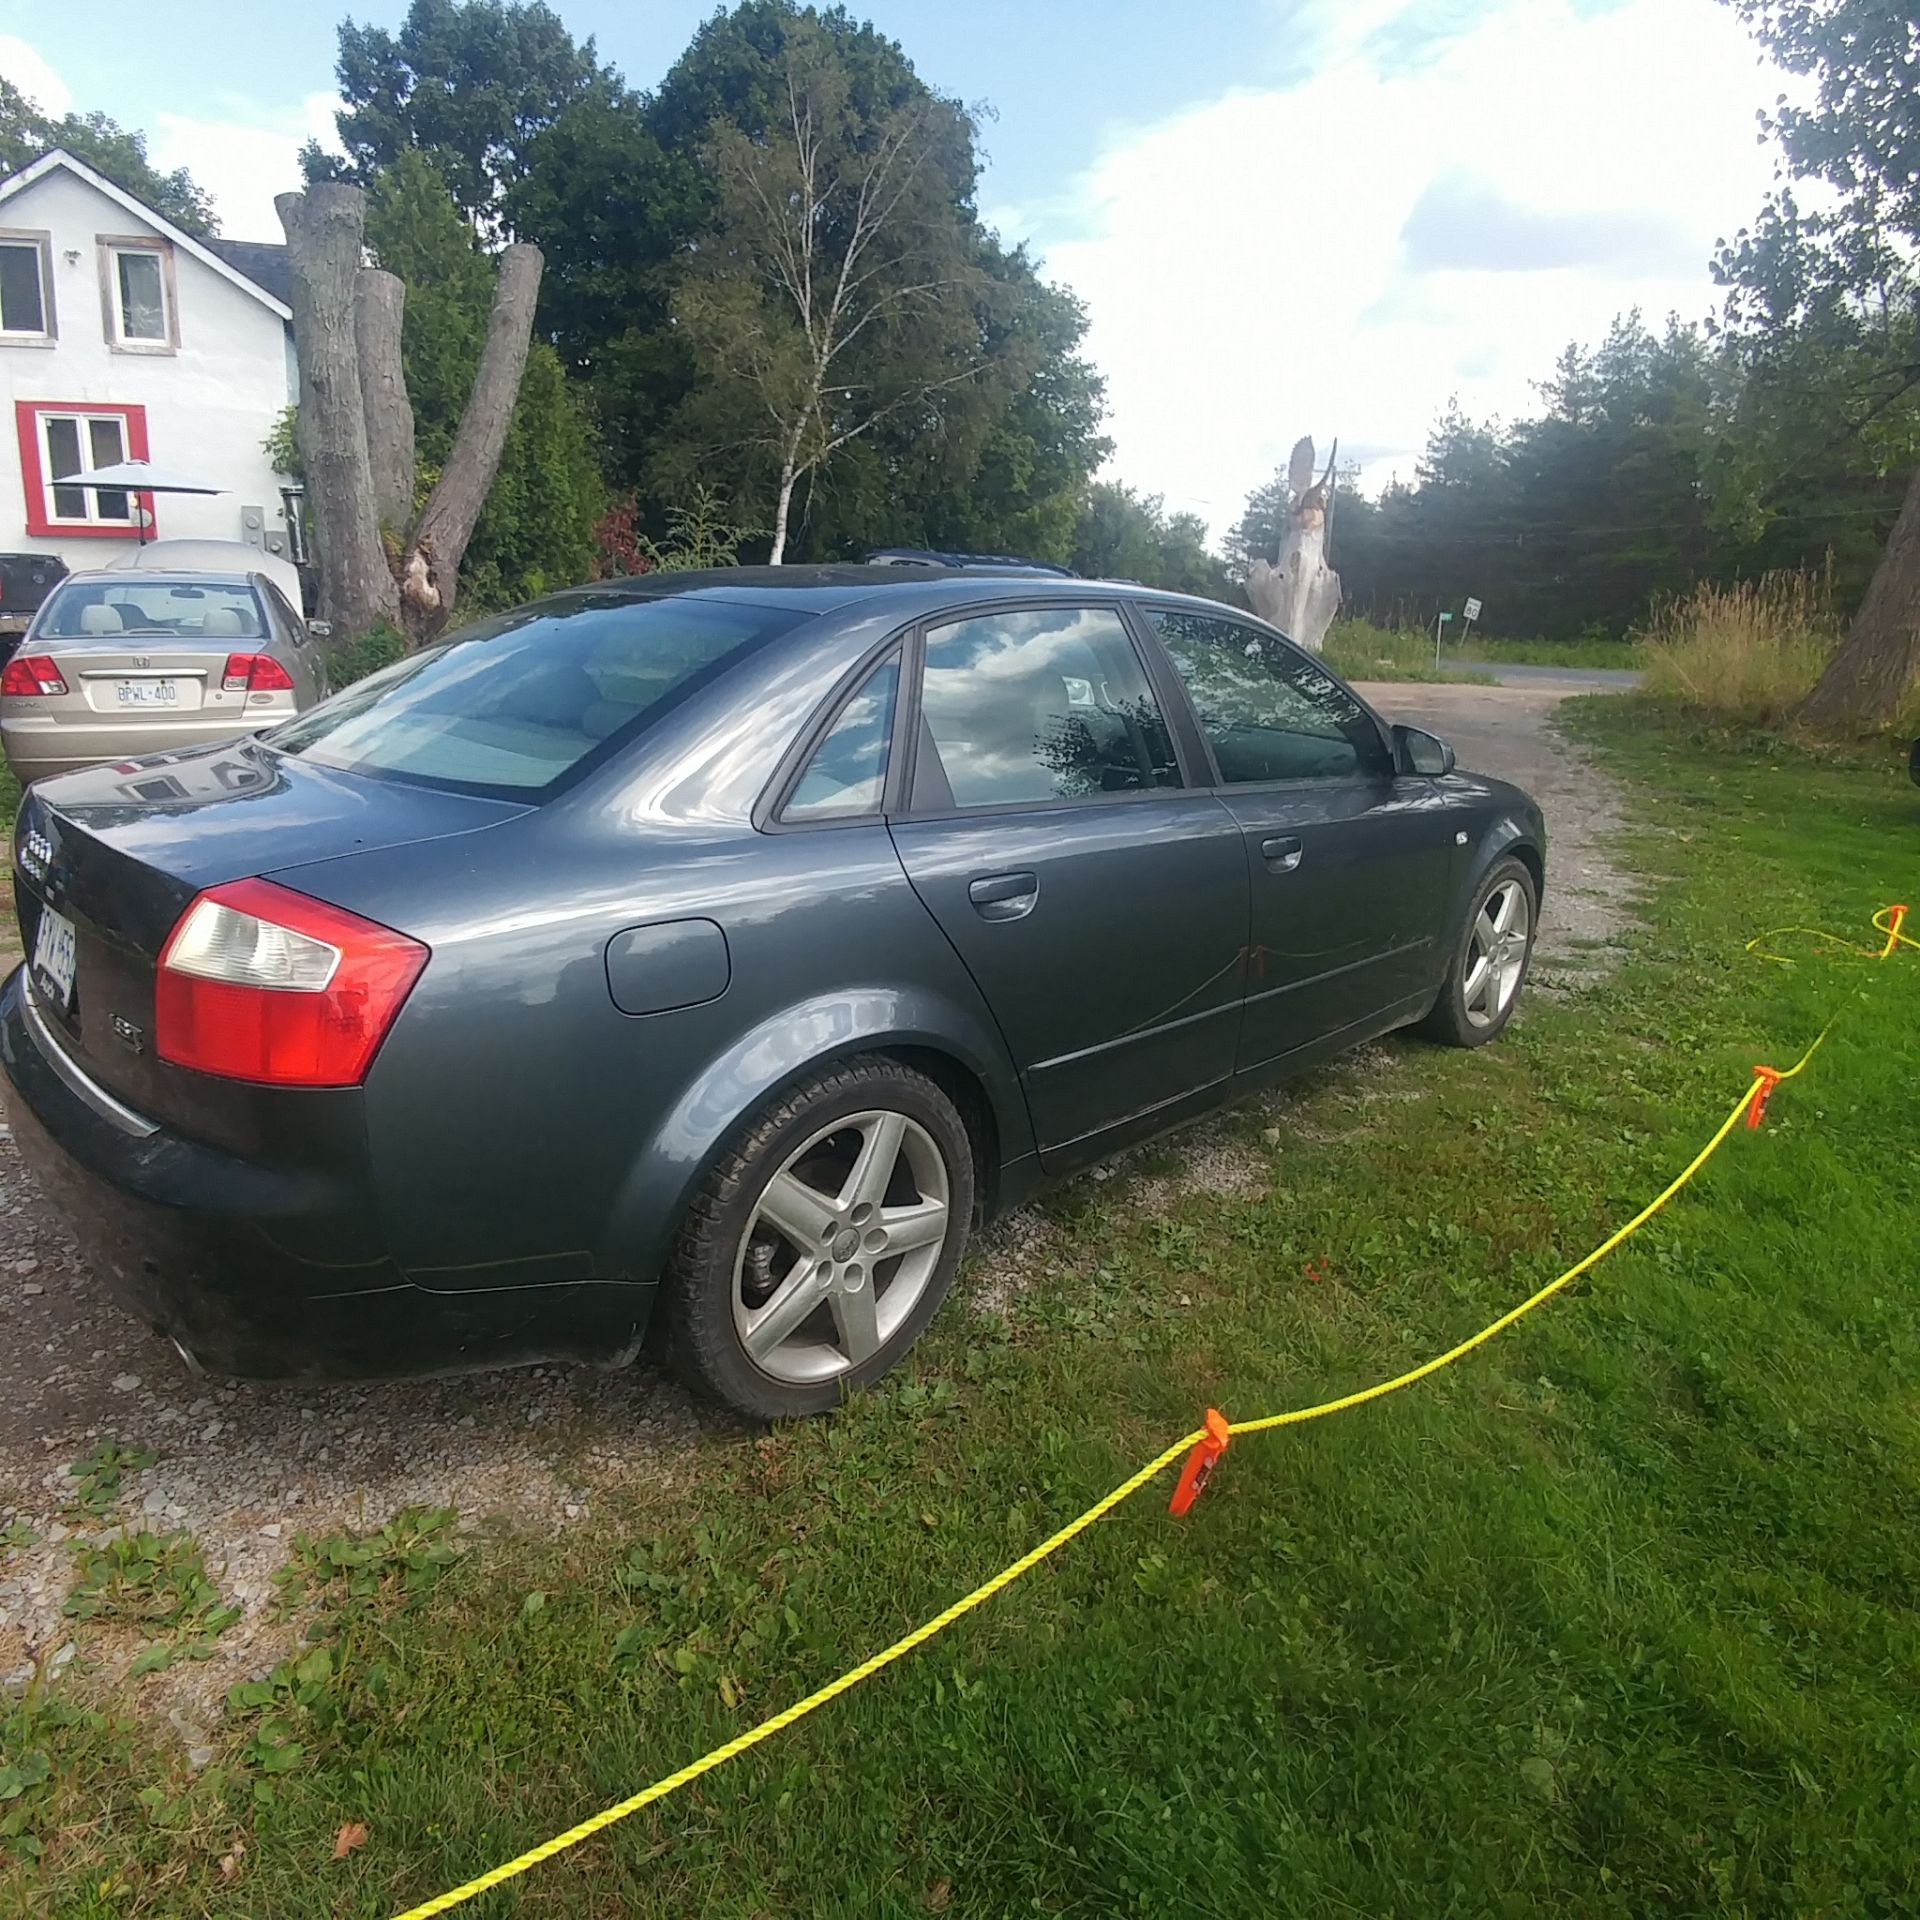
(727, 942)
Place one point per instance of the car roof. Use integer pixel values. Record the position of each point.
(825, 589)
(155, 576)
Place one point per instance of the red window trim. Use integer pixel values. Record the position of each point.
(26, 422)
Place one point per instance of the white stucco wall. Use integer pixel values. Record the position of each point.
(209, 405)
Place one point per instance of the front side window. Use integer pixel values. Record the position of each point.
(1034, 706)
(847, 773)
(139, 296)
(513, 705)
(58, 442)
(26, 311)
(1268, 711)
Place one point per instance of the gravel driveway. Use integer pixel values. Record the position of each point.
(244, 1467)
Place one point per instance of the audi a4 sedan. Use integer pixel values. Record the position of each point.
(719, 945)
(120, 663)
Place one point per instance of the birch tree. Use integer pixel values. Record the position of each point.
(837, 288)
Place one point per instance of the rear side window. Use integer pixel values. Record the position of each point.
(1267, 710)
(848, 771)
(514, 705)
(1034, 706)
(155, 609)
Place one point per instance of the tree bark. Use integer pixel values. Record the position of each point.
(324, 227)
(782, 507)
(1300, 594)
(430, 567)
(380, 301)
(1874, 666)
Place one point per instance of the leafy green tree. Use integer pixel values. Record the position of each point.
(107, 147)
(535, 531)
(471, 86)
(836, 289)
(1124, 535)
(616, 191)
(1830, 292)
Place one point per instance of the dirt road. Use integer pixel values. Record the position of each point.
(245, 1467)
(1507, 731)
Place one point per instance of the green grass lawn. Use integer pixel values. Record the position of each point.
(1362, 651)
(1624, 654)
(1617, 1617)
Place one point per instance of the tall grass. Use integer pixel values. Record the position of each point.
(1748, 652)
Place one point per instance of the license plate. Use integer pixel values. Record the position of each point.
(148, 693)
(53, 956)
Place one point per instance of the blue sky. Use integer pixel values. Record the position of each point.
(1058, 72)
(1285, 216)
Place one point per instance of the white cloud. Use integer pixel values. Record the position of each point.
(242, 157)
(1244, 262)
(34, 76)
(245, 160)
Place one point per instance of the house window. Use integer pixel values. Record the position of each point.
(26, 302)
(137, 287)
(58, 440)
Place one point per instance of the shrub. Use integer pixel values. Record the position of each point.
(365, 653)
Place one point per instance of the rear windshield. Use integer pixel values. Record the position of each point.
(154, 609)
(513, 706)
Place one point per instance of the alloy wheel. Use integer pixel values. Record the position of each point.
(840, 1247)
(1497, 954)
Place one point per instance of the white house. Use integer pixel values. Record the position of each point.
(121, 337)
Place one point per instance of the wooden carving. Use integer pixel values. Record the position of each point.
(1300, 593)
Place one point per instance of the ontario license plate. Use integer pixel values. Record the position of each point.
(148, 693)
(53, 956)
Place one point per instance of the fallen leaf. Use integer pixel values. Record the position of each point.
(939, 1894)
(353, 1834)
(230, 1862)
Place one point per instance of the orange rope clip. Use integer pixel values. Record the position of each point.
(1769, 1078)
(1199, 1468)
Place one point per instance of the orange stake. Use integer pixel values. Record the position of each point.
(1769, 1077)
(1199, 1468)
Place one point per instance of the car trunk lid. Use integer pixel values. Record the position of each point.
(146, 681)
(106, 850)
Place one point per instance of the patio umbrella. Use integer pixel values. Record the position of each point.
(136, 476)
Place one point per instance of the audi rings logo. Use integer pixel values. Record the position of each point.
(36, 854)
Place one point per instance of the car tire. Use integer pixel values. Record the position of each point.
(1473, 1008)
(780, 1290)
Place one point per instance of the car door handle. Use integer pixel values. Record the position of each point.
(1004, 896)
(1281, 852)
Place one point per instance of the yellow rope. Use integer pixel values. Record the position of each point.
(1888, 921)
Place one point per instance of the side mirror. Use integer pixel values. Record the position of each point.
(320, 629)
(1421, 752)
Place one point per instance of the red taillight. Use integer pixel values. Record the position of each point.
(33, 673)
(258, 982)
(255, 673)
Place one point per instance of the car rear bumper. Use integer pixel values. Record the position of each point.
(260, 1271)
(37, 749)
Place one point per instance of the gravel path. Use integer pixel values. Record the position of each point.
(1508, 731)
(244, 1468)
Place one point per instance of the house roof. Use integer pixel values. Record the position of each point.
(264, 262)
(210, 253)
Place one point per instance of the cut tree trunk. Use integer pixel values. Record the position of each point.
(430, 564)
(380, 303)
(1878, 661)
(324, 227)
(1300, 594)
